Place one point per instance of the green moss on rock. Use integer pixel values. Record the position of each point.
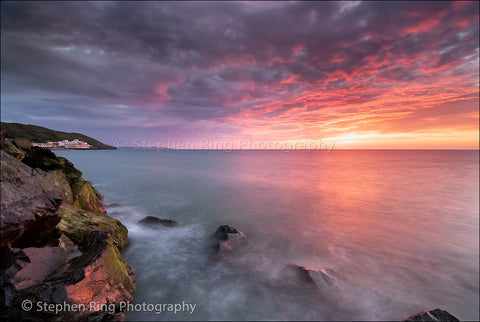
(86, 197)
(117, 268)
(77, 224)
(72, 173)
(10, 148)
(36, 157)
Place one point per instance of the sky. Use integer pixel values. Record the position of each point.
(275, 74)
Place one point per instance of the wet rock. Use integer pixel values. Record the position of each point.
(94, 274)
(84, 195)
(87, 197)
(312, 277)
(100, 275)
(42, 262)
(30, 199)
(152, 220)
(77, 224)
(433, 315)
(36, 263)
(54, 251)
(228, 240)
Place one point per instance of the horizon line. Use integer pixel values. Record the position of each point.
(321, 149)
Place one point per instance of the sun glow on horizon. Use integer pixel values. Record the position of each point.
(389, 75)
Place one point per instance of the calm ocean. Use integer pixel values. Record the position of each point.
(403, 226)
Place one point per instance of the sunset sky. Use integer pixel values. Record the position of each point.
(357, 74)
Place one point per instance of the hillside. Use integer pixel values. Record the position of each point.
(35, 133)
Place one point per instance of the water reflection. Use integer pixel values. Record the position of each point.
(402, 225)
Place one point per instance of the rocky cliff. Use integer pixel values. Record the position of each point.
(58, 249)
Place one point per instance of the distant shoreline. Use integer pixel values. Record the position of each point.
(79, 149)
(280, 150)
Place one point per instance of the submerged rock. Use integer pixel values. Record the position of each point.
(312, 277)
(228, 239)
(152, 220)
(433, 315)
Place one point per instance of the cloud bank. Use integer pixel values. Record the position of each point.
(363, 74)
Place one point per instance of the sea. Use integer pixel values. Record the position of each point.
(400, 226)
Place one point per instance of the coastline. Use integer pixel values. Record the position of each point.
(55, 234)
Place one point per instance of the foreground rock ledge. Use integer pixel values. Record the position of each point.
(30, 199)
(433, 315)
(59, 246)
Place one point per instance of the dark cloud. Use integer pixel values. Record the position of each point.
(196, 61)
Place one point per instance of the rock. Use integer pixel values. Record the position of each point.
(87, 197)
(433, 315)
(312, 277)
(42, 261)
(152, 220)
(228, 240)
(104, 278)
(41, 158)
(84, 195)
(68, 169)
(52, 250)
(30, 199)
(95, 272)
(76, 224)
(36, 157)
(9, 146)
(98, 275)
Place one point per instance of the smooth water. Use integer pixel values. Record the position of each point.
(403, 226)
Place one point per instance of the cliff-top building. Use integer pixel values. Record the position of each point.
(64, 144)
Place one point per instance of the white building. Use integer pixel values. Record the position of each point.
(64, 144)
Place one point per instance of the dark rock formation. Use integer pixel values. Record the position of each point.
(94, 274)
(152, 220)
(312, 277)
(84, 195)
(53, 250)
(37, 263)
(36, 157)
(228, 240)
(433, 315)
(30, 199)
